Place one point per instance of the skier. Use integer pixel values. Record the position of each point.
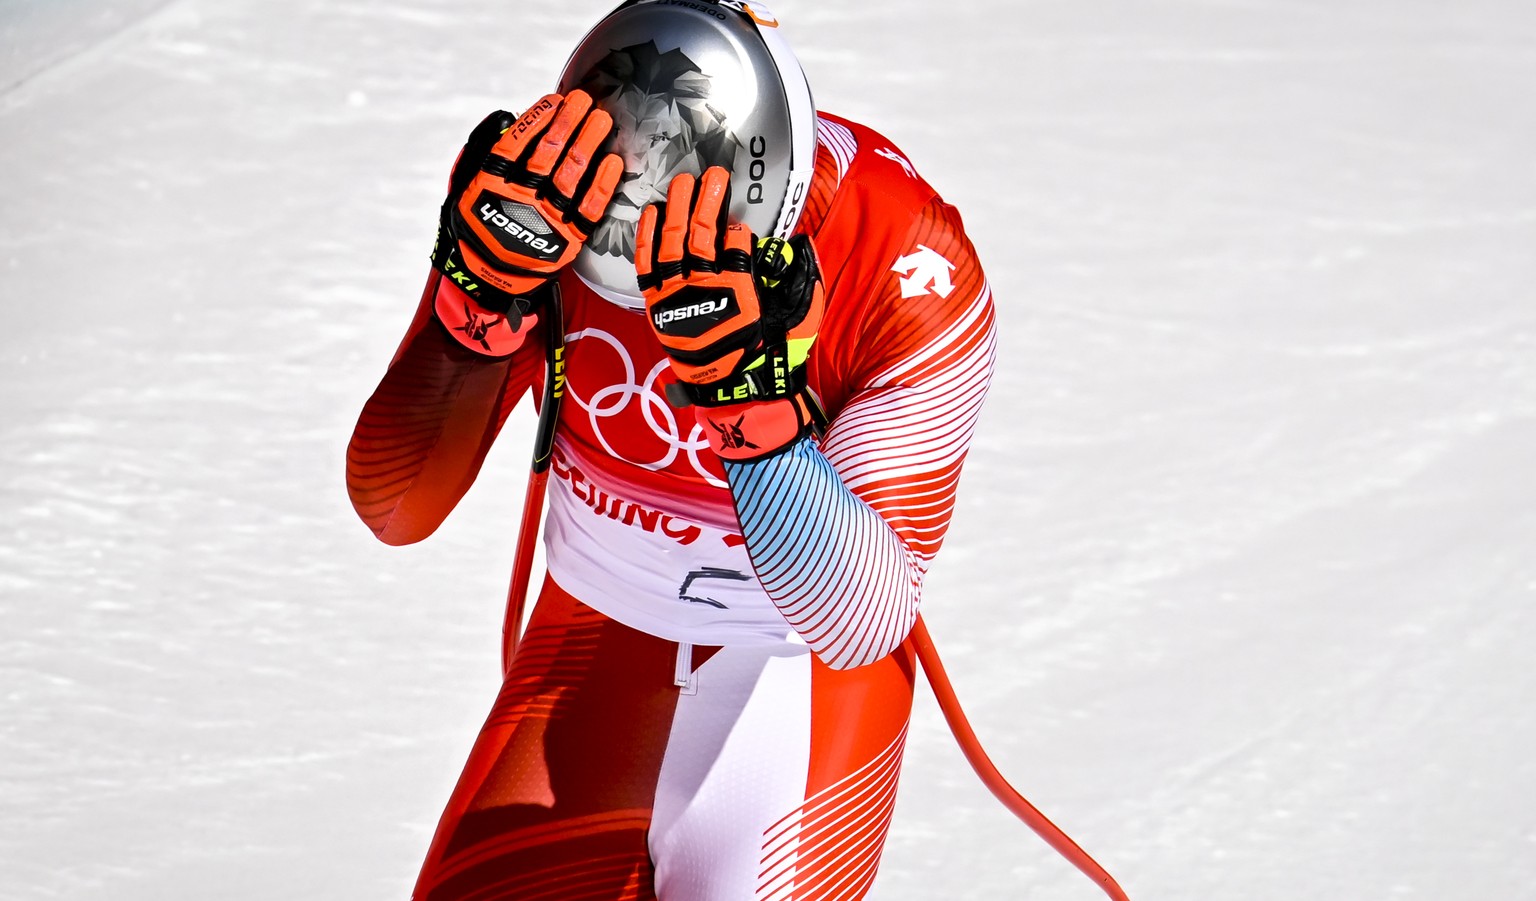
(755, 463)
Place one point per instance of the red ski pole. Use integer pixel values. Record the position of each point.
(970, 745)
(538, 475)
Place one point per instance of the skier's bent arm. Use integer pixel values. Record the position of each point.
(424, 433)
(841, 535)
(840, 539)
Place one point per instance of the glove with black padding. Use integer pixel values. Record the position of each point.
(526, 193)
(737, 315)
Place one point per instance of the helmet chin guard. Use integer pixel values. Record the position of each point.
(692, 84)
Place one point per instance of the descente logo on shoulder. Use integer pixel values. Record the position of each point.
(663, 318)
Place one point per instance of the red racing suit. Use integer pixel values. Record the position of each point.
(712, 695)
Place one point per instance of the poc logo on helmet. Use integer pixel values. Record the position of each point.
(757, 170)
(692, 318)
(520, 233)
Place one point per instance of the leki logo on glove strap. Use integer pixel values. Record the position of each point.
(515, 233)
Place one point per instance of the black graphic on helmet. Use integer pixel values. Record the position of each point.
(690, 85)
(666, 127)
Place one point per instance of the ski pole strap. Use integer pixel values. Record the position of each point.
(769, 378)
(447, 259)
(483, 319)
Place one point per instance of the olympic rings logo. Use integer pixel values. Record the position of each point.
(614, 399)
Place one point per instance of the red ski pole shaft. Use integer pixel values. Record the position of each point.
(538, 475)
(970, 745)
(522, 566)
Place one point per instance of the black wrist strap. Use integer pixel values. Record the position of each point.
(445, 259)
(773, 379)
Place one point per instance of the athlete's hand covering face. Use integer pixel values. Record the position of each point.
(737, 315)
(525, 194)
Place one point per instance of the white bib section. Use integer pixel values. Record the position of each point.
(652, 570)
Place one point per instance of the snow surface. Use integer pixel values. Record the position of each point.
(1244, 559)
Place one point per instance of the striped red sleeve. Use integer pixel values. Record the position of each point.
(926, 363)
(424, 433)
(842, 535)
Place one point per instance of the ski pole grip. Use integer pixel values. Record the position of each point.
(772, 259)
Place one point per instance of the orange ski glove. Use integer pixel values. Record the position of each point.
(524, 196)
(737, 315)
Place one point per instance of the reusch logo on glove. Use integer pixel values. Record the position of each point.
(690, 317)
(518, 227)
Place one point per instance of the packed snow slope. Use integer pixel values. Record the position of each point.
(1246, 552)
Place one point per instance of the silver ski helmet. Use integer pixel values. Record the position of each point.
(692, 84)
